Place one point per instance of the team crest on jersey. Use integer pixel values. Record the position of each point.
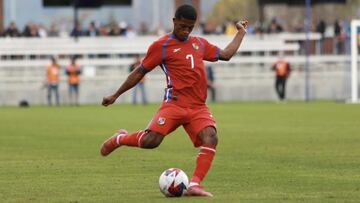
(195, 46)
(161, 121)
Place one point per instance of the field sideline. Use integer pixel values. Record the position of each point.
(268, 152)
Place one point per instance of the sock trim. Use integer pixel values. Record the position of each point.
(193, 184)
(208, 148)
(118, 137)
(141, 136)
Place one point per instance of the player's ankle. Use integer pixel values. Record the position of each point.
(191, 184)
(195, 179)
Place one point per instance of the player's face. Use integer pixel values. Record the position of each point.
(183, 28)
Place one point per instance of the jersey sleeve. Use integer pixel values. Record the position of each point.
(152, 58)
(211, 52)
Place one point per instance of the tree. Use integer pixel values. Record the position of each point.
(234, 10)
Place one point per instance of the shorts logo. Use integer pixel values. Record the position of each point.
(161, 121)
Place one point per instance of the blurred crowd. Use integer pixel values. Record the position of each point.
(92, 29)
(338, 31)
(124, 29)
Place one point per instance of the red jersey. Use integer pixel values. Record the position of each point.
(182, 63)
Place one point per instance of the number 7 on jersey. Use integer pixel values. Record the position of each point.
(191, 57)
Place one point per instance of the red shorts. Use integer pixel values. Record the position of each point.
(170, 116)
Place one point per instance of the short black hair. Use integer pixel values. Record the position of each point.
(186, 11)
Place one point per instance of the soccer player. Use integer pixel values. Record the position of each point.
(180, 56)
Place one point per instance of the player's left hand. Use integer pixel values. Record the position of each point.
(242, 25)
(108, 100)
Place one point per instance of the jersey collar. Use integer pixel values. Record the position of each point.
(173, 37)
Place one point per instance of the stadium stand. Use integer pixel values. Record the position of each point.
(105, 60)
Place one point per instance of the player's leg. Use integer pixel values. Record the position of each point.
(163, 123)
(204, 160)
(206, 154)
(57, 98)
(141, 139)
(284, 89)
(76, 91)
(202, 131)
(49, 90)
(278, 87)
(70, 94)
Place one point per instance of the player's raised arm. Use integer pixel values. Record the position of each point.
(234, 45)
(134, 77)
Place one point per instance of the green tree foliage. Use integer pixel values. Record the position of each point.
(235, 10)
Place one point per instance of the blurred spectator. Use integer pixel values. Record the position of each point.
(258, 29)
(282, 70)
(52, 83)
(230, 28)
(63, 31)
(53, 32)
(144, 30)
(76, 31)
(274, 27)
(42, 31)
(12, 31)
(211, 82)
(103, 30)
(340, 37)
(26, 31)
(321, 28)
(141, 85)
(73, 71)
(203, 28)
(115, 30)
(130, 32)
(31, 30)
(299, 27)
(92, 31)
(123, 27)
(210, 27)
(160, 30)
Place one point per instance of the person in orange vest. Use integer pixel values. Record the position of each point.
(52, 83)
(282, 70)
(73, 71)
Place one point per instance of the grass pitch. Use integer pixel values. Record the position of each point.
(267, 152)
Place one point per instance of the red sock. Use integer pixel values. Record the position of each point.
(133, 140)
(203, 162)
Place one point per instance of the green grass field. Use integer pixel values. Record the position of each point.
(267, 152)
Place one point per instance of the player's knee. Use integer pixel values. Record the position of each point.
(151, 140)
(209, 136)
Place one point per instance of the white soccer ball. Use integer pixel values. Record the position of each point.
(173, 182)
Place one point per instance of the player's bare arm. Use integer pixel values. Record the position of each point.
(134, 77)
(227, 53)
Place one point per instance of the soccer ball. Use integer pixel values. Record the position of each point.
(173, 182)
